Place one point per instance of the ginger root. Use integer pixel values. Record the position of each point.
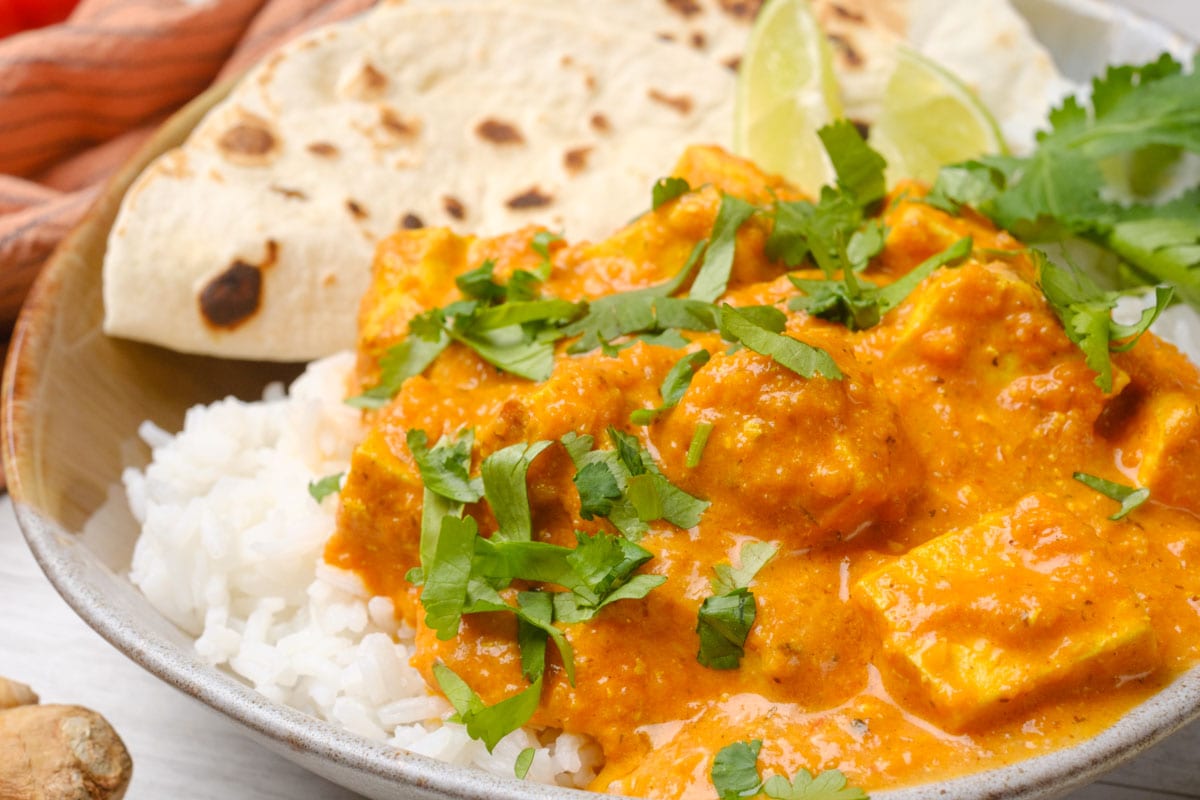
(57, 752)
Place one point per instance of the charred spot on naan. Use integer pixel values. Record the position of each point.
(576, 159)
(533, 197)
(324, 150)
(366, 82)
(499, 132)
(235, 295)
(250, 142)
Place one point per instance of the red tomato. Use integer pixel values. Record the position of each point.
(18, 15)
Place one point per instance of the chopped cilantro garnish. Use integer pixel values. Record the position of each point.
(803, 359)
(723, 624)
(726, 617)
(489, 724)
(695, 450)
(1086, 313)
(734, 771)
(735, 776)
(860, 170)
(524, 762)
(676, 382)
(322, 488)
(444, 468)
(406, 359)
(667, 189)
(503, 474)
(444, 595)
(753, 557)
(1129, 497)
(480, 284)
(1152, 110)
(714, 274)
(858, 304)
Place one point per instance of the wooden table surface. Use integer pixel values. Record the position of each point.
(183, 749)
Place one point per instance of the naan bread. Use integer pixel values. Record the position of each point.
(254, 239)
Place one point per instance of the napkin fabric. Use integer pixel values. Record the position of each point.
(77, 99)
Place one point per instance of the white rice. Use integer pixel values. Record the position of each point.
(230, 551)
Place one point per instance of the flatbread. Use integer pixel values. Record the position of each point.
(254, 240)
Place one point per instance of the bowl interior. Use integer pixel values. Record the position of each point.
(74, 398)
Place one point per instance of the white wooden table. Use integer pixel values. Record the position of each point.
(182, 749)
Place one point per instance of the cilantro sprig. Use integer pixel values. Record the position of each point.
(726, 617)
(735, 776)
(1129, 497)
(1061, 189)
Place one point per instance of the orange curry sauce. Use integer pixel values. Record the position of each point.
(945, 598)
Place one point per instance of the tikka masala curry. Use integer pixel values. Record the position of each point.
(936, 592)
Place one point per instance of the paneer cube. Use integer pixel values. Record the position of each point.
(1020, 604)
(1166, 436)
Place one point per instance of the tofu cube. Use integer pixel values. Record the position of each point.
(992, 617)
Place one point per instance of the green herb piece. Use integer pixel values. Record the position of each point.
(533, 621)
(676, 382)
(829, 785)
(444, 467)
(489, 724)
(859, 305)
(541, 245)
(480, 283)
(695, 450)
(1086, 313)
(667, 189)
(753, 557)
(656, 497)
(734, 770)
(1127, 496)
(724, 623)
(402, 361)
(444, 595)
(598, 490)
(322, 488)
(638, 312)
(524, 762)
(735, 776)
(714, 275)
(504, 474)
(803, 359)
(860, 170)
(1134, 112)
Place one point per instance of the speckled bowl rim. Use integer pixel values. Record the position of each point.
(337, 754)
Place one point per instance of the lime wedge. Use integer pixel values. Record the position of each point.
(785, 92)
(929, 119)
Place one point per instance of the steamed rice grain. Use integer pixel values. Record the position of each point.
(231, 552)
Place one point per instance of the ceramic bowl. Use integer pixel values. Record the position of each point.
(73, 399)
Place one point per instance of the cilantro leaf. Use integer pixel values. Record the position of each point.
(676, 382)
(402, 361)
(803, 359)
(524, 762)
(444, 595)
(862, 305)
(489, 724)
(667, 189)
(1086, 314)
(829, 785)
(734, 770)
(444, 467)
(860, 170)
(480, 284)
(635, 312)
(714, 275)
(695, 450)
(1127, 496)
(754, 556)
(598, 489)
(503, 474)
(322, 488)
(723, 624)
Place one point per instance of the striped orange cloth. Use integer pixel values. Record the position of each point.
(77, 98)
